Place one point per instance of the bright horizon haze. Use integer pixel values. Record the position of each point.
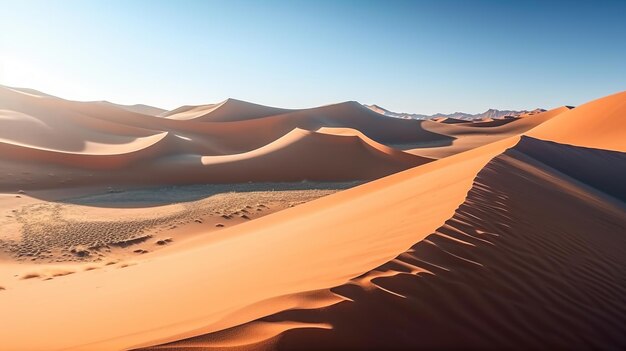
(407, 56)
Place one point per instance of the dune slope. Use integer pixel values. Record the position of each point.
(512, 238)
(57, 142)
(597, 124)
(227, 111)
(309, 155)
(533, 258)
(356, 230)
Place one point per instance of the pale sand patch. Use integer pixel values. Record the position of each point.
(115, 224)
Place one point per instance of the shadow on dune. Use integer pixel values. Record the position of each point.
(533, 259)
(494, 123)
(602, 169)
(72, 144)
(526, 262)
(165, 195)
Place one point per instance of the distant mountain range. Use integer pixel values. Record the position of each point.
(491, 113)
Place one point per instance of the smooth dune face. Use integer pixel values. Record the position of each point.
(508, 270)
(501, 233)
(227, 111)
(349, 156)
(598, 124)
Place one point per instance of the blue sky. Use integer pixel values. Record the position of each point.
(408, 56)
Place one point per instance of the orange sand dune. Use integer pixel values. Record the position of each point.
(224, 137)
(484, 247)
(325, 156)
(299, 155)
(92, 155)
(40, 131)
(355, 133)
(468, 136)
(377, 127)
(490, 122)
(344, 115)
(58, 113)
(516, 126)
(315, 246)
(226, 111)
(496, 240)
(262, 131)
(597, 124)
(532, 259)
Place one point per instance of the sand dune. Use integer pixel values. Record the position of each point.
(42, 133)
(310, 155)
(467, 136)
(346, 226)
(377, 127)
(56, 112)
(450, 120)
(600, 169)
(226, 111)
(477, 256)
(490, 122)
(138, 108)
(598, 124)
(499, 274)
(493, 234)
(262, 131)
(93, 155)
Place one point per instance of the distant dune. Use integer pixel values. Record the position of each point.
(227, 111)
(139, 108)
(469, 135)
(310, 155)
(213, 143)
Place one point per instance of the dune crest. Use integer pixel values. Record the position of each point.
(228, 110)
(303, 154)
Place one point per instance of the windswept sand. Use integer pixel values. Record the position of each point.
(489, 278)
(491, 234)
(334, 239)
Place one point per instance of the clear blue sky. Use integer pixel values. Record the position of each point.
(409, 56)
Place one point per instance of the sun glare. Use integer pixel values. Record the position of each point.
(20, 72)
